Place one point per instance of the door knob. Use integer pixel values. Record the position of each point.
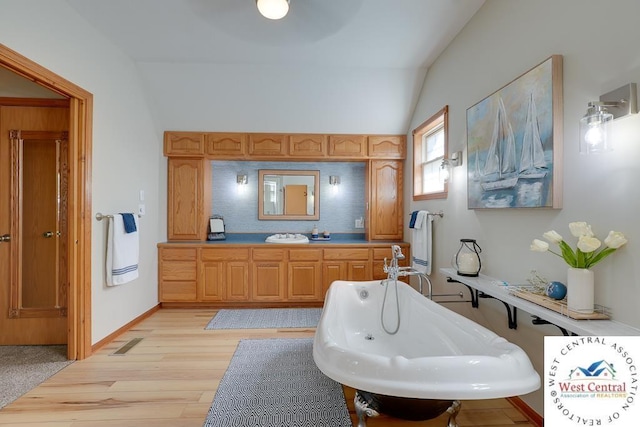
(5, 238)
(47, 234)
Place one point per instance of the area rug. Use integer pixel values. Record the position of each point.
(275, 383)
(266, 318)
(23, 367)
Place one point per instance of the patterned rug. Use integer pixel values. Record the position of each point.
(266, 318)
(275, 383)
(23, 367)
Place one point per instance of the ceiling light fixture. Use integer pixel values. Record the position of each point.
(273, 9)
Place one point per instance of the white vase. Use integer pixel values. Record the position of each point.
(580, 290)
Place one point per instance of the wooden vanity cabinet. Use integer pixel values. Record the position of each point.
(177, 274)
(223, 274)
(262, 275)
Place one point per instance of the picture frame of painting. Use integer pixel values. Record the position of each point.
(514, 142)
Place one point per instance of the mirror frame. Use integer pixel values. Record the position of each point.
(316, 192)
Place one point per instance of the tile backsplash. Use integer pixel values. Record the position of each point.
(338, 210)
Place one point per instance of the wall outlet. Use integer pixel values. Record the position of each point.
(360, 222)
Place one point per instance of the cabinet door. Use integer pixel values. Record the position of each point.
(269, 281)
(387, 146)
(359, 270)
(212, 281)
(237, 288)
(308, 145)
(304, 281)
(385, 200)
(267, 144)
(350, 146)
(225, 145)
(187, 213)
(183, 143)
(332, 271)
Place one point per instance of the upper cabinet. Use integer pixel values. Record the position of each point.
(183, 144)
(280, 146)
(387, 146)
(349, 146)
(226, 144)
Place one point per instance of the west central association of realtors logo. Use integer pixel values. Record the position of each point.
(591, 381)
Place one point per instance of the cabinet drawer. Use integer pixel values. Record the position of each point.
(224, 254)
(347, 254)
(268, 254)
(176, 254)
(178, 291)
(305, 254)
(178, 270)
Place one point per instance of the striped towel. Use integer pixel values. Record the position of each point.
(122, 252)
(421, 242)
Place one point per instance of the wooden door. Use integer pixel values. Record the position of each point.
(295, 200)
(37, 315)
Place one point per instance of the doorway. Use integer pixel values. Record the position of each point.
(78, 232)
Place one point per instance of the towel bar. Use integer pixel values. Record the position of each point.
(440, 214)
(100, 216)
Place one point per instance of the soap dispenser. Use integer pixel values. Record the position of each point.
(314, 232)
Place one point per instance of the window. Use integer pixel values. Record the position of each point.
(429, 149)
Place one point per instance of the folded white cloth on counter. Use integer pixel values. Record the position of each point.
(122, 252)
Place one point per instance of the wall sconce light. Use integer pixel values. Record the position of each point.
(242, 179)
(595, 126)
(334, 180)
(448, 164)
(273, 9)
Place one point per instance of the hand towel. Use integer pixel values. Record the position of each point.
(122, 252)
(129, 222)
(412, 221)
(421, 242)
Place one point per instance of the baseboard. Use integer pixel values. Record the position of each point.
(535, 418)
(106, 340)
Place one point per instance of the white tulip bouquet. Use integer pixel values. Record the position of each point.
(588, 251)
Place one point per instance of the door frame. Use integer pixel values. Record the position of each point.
(79, 211)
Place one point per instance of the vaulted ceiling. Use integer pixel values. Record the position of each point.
(321, 46)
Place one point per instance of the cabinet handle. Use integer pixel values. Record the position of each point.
(5, 238)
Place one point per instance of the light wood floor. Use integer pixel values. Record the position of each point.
(170, 379)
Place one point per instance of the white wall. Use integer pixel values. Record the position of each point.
(270, 98)
(503, 40)
(127, 149)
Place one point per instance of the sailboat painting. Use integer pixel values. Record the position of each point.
(514, 142)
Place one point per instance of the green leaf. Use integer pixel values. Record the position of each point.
(568, 254)
(600, 256)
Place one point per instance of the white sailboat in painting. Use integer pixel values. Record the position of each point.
(500, 167)
(532, 162)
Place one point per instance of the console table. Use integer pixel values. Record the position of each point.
(488, 287)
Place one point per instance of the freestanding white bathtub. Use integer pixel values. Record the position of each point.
(435, 354)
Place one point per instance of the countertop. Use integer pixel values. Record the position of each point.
(255, 238)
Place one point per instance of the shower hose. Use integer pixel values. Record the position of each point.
(384, 300)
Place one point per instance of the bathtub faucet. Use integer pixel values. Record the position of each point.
(393, 270)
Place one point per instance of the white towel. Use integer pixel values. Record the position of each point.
(421, 243)
(122, 252)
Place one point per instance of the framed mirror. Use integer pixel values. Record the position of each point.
(288, 194)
